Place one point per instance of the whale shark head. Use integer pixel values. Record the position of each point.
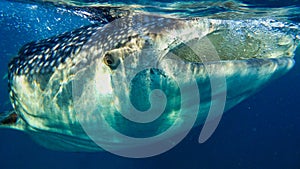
(63, 89)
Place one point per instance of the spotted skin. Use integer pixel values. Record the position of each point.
(38, 60)
(45, 55)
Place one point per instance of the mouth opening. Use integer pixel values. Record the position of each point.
(239, 43)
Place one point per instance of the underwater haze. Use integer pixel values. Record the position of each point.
(262, 132)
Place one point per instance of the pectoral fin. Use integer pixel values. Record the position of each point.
(8, 118)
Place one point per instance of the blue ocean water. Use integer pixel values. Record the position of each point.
(261, 132)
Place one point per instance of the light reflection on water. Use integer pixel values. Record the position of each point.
(242, 9)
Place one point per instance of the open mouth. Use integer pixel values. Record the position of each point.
(232, 40)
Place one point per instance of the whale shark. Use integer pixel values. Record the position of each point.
(141, 76)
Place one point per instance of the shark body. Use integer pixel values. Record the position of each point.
(64, 88)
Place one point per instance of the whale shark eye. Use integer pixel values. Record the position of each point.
(111, 61)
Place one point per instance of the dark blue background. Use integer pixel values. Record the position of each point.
(261, 132)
